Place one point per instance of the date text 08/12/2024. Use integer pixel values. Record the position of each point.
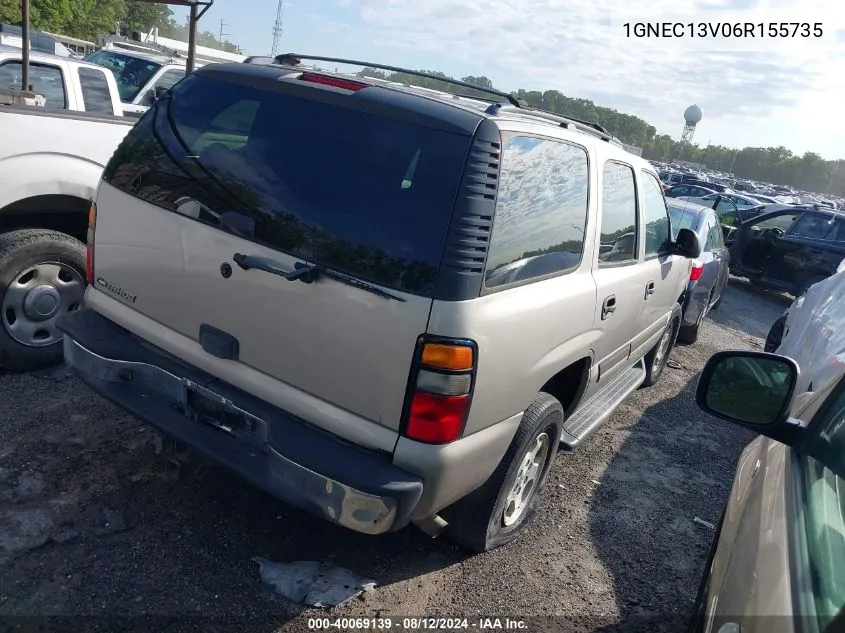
(723, 29)
(415, 624)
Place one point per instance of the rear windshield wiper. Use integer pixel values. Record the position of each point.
(308, 273)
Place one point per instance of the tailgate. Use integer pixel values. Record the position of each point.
(215, 174)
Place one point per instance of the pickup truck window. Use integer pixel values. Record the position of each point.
(169, 79)
(47, 80)
(131, 73)
(95, 91)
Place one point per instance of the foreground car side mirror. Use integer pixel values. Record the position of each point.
(687, 244)
(752, 389)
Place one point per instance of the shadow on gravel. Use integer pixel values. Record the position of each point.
(743, 304)
(98, 531)
(680, 463)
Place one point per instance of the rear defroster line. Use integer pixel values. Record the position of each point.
(308, 273)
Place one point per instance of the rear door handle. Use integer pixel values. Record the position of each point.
(608, 307)
(649, 289)
(301, 272)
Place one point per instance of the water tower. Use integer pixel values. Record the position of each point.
(692, 116)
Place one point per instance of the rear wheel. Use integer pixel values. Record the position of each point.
(42, 276)
(656, 359)
(500, 510)
(775, 335)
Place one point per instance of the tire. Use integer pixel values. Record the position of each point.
(775, 335)
(689, 334)
(480, 521)
(42, 275)
(698, 622)
(804, 286)
(655, 360)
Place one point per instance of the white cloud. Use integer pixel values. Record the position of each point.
(579, 48)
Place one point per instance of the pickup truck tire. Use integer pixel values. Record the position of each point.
(42, 275)
(656, 359)
(499, 511)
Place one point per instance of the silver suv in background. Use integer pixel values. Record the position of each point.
(385, 305)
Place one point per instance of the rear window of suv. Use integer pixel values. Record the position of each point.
(367, 195)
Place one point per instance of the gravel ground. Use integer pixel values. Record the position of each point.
(93, 526)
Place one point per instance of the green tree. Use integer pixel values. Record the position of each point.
(143, 16)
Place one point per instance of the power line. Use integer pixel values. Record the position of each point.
(278, 29)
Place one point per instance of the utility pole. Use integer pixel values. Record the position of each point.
(733, 160)
(25, 45)
(222, 34)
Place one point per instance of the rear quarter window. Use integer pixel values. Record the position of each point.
(368, 195)
(95, 91)
(541, 211)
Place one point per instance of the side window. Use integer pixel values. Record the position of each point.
(837, 232)
(655, 217)
(782, 222)
(618, 234)
(541, 212)
(47, 81)
(169, 79)
(95, 91)
(812, 225)
(680, 190)
(717, 238)
(825, 510)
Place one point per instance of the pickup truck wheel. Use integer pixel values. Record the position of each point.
(500, 510)
(656, 359)
(42, 275)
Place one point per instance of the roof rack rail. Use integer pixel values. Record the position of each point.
(295, 59)
(514, 102)
(585, 126)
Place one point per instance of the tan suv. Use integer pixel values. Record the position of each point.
(380, 303)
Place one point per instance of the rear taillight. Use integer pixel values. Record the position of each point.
(336, 82)
(89, 244)
(441, 390)
(695, 273)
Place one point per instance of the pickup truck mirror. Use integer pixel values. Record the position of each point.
(752, 389)
(687, 244)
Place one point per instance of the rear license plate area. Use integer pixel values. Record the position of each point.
(216, 412)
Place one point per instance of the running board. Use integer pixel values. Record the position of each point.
(597, 409)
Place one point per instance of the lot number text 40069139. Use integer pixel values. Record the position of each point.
(646, 30)
(416, 624)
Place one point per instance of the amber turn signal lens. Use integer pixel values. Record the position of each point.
(442, 356)
(92, 215)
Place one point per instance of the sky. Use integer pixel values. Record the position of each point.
(754, 91)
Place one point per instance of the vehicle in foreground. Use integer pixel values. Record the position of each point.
(404, 329)
(779, 550)
(710, 270)
(52, 158)
(788, 250)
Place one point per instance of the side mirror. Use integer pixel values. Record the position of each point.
(159, 92)
(687, 244)
(752, 389)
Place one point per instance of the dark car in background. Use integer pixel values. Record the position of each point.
(788, 250)
(685, 189)
(709, 274)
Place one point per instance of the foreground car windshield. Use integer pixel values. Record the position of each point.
(131, 73)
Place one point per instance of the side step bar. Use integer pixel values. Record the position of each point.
(597, 409)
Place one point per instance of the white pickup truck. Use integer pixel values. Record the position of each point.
(51, 159)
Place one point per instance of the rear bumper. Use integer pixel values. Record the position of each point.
(343, 483)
